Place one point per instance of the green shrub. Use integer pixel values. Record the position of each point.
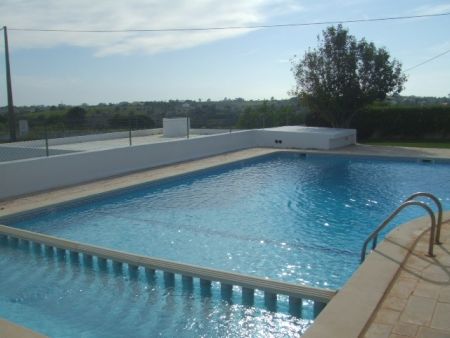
(393, 122)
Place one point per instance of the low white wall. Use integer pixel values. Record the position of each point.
(29, 176)
(345, 140)
(326, 140)
(268, 138)
(33, 175)
(201, 131)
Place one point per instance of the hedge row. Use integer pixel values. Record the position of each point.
(399, 122)
(404, 122)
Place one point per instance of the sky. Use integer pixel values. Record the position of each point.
(51, 68)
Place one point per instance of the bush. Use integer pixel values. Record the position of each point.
(391, 122)
(75, 117)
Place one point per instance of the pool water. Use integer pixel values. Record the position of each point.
(289, 217)
(61, 298)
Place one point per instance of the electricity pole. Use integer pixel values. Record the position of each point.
(12, 119)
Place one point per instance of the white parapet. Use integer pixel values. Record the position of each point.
(176, 127)
(301, 137)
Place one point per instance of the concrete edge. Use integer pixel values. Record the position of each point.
(352, 309)
(11, 330)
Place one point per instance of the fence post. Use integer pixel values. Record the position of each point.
(46, 139)
(187, 126)
(129, 130)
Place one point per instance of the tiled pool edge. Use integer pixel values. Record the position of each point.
(350, 312)
(12, 330)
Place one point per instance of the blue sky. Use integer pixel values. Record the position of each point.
(75, 68)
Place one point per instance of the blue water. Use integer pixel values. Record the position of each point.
(284, 216)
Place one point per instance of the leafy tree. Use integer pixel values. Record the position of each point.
(269, 115)
(118, 121)
(141, 121)
(75, 117)
(344, 75)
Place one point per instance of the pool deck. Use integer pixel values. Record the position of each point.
(416, 303)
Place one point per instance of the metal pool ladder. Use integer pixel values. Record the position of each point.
(435, 232)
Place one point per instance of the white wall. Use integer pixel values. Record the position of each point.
(176, 127)
(267, 138)
(345, 140)
(33, 175)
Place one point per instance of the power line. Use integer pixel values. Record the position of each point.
(226, 27)
(428, 60)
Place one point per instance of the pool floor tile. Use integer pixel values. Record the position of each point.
(444, 295)
(386, 316)
(405, 329)
(395, 303)
(426, 332)
(418, 310)
(425, 289)
(379, 331)
(441, 317)
(403, 288)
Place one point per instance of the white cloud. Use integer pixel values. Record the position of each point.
(432, 9)
(134, 14)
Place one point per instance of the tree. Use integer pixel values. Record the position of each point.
(75, 117)
(344, 75)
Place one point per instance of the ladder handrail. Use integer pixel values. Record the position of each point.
(439, 207)
(374, 235)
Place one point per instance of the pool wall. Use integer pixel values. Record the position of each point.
(33, 175)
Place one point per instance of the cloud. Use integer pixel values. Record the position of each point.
(134, 14)
(432, 9)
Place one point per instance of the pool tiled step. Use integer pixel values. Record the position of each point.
(249, 284)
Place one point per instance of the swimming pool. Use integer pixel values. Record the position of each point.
(285, 216)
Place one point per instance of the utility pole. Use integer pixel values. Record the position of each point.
(12, 118)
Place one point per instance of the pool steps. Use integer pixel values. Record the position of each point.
(248, 284)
